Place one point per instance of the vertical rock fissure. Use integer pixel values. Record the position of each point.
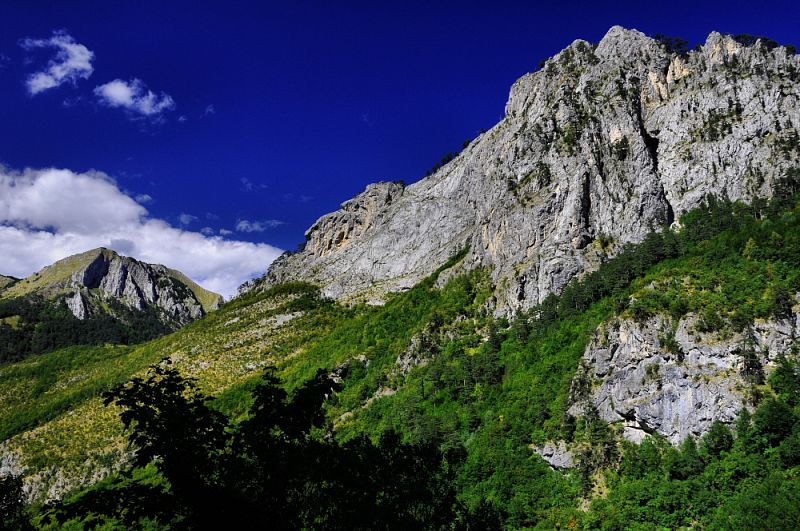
(651, 143)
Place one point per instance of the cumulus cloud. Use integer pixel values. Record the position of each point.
(257, 226)
(48, 214)
(73, 61)
(143, 198)
(134, 97)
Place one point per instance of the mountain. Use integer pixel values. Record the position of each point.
(592, 312)
(83, 280)
(93, 298)
(600, 146)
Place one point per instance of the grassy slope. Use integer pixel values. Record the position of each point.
(51, 275)
(6, 281)
(53, 397)
(47, 400)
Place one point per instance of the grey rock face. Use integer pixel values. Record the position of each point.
(556, 454)
(135, 284)
(76, 305)
(595, 150)
(632, 379)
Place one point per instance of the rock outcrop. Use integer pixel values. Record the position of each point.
(601, 146)
(557, 454)
(634, 380)
(86, 282)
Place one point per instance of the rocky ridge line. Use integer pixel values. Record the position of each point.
(601, 146)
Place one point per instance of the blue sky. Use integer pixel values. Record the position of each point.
(255, 119)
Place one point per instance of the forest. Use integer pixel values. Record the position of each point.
(33, 325)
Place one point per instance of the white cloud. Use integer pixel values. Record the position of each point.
(187, 219)
(208, 231)
(225, 232)
(72, 62)
(143, 198)
(46, 215)
(133, 96)
(257, 226)
(210, 109)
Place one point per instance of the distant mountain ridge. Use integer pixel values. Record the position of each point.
(96, 297)
(83, 279)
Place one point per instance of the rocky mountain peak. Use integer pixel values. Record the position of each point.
(602, 145)
(83, 281)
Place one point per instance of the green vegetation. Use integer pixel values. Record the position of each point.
(32, 325)
(746, 481)
(33, 391)
(673, 45)
(35, 319)
(769, 44)
(719, 123)
(52, 274)
(193, 469)
(621, 148)
(430, 377)
(6, 282)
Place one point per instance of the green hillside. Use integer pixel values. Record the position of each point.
(6, 281)
(434, 366)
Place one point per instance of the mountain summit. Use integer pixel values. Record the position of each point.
(600, 146)
(89, 281)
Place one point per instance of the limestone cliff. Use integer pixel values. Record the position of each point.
(600, 146)
(633, 380)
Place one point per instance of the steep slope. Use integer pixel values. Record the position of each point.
(654, 342)
(602, 145)
(6, 281)
(658, 341)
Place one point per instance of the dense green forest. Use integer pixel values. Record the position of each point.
(33, 325)
(421, 413)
